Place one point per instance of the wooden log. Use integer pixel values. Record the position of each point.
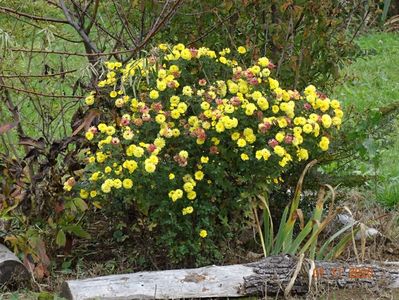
(12, 271)
(269, 276)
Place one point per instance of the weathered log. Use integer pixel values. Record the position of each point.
(12, 271)
(270, 276)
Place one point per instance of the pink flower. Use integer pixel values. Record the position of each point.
(219, 101)
(214, 150)
(171, 84)
(93, 129)
(124, 122)
(115, 141)
(138, 122)
(202, 82)
(151, 148)
(254, 81)
(307, 106)
(288, 139)
(194, 52)
(235, 101)
(272, 143)
(146, 117)
(157, 106)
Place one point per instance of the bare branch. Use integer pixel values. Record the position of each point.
(88, 43)
(39, 94)
(36, 18)
(37, 76)
(93, 19)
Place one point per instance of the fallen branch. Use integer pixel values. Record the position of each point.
(271, 276)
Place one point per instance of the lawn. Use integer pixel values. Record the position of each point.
(371, 82)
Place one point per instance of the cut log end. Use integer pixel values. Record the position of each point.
(12, 271)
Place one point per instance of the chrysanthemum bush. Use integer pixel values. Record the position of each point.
(187, 136)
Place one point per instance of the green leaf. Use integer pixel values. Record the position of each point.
(80, 204)
(78, 231)
(61, 238)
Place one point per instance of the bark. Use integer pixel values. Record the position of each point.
(273, 275)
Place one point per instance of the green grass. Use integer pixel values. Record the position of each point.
(372, 81)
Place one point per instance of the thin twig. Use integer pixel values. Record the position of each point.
(39, 94)
(36, 18)
(37, 76)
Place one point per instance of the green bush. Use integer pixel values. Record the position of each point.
(187, 138)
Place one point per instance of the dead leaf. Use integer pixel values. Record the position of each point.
(88, 119)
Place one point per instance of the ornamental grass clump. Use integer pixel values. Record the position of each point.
(187, 135)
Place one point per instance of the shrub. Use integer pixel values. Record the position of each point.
(187, 136)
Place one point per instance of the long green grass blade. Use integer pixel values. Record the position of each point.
(280, 234)
(300, 238)
(323, 248)
(340, 247)
(387, 4)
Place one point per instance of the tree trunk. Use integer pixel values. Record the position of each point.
(272, 275)
(12, 271)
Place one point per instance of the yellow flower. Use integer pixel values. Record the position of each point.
(307, 128)
(163, 47)
(150, 167)
(128, 134)
(95, 176)
(107, 169)
(105, 188)
(280, 151)
(183, 153)
(186, 54)
(326, 121)
(273, 83)
(160, 119)
(275, 109)
(280, 136)
(84, 194)
(204, 159)
(187, 210)
(249, 109)
(188, 187)
(302, 154)
(219, 127)
(191, 195)
(199, 175)
(127, 183)
(89, 135)
(171, 176)
(175, 114)
(203, 233)
(113, 94)
(241, 142)
(263, 61)
(154, 94)
(187, 91)
(93, 194)
(117, 183)
(110, 130)
(262, 103)
(205, 105)
(235, 136)
(335, 104)
(89, 100)
(241, 50)
(244, 156)
(324, 143)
